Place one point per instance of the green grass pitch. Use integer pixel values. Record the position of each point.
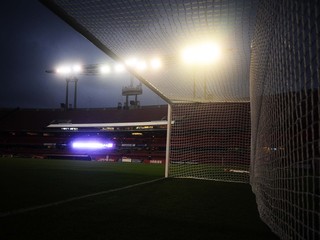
(164, 209)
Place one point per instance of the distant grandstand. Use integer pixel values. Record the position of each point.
(134, 135)
(120, 135)
(270, 58)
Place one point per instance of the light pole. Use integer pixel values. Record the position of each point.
(75, 81)
(70, 76)
(71, 72)
(200, 56)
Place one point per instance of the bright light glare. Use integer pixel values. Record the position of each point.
(131, 62)
(76, 68)
(63, 70)
(155, 63)
(205, 53)
(93, 145)
(119, 68)
(141, 65)
(105, 69)
(69, 69)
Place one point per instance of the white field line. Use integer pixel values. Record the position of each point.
(33, 208)
(238, 171)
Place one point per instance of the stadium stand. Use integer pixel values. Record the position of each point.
(137, 134)
(270, 58)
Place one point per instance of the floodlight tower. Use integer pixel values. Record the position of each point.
(199, 56)
(70, 75)
(132, 90)
(75, 81)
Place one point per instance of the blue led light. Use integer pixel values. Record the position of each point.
(91, 145)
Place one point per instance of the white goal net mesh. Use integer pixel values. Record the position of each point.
(211, 141)
(285, 157)
(269, 56)
(165, 29)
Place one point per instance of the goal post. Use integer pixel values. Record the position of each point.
(168, 145)
(204, 91)
(270, 57)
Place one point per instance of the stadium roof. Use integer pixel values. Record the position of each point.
(162, 28)
(38, 120)
(104, 125)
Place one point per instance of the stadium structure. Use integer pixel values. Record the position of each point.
(110, 134)
(263, 79)
(113, 135)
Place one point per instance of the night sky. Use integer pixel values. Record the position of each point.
(33, 39)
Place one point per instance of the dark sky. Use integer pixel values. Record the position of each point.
(33, 39)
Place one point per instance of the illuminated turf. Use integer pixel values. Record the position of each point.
(186, 208)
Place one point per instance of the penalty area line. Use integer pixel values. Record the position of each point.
(47, 205)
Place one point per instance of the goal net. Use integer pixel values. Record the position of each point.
(210, 102)
(211, 141)
(269, 56)
(285, 169)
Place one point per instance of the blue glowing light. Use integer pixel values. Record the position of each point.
(91, 145)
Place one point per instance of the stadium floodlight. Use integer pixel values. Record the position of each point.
(68, 70)
(155, 63)
(202, 54)
(104, 69)
(76, 68)
(131, 62)
(63, 70)
(141, 65)
(119, 68)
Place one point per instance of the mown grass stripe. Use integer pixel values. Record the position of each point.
(33, 208)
